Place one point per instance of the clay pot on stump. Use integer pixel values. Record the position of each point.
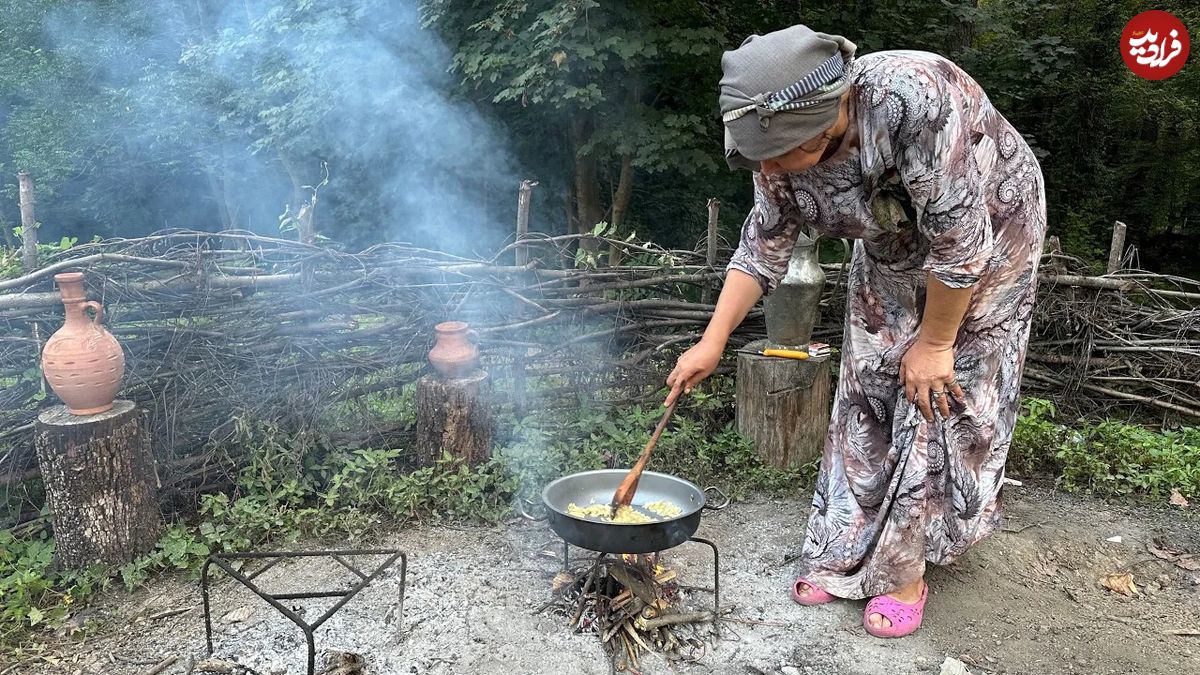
(454, 354)
(82, 361)
(454, 411)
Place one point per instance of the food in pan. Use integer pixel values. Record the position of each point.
(664, 508)
(628, 515)
(603, 512)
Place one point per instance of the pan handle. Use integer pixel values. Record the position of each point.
(523, 502)
(724, 498)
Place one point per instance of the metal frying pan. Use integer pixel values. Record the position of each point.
(596, 487)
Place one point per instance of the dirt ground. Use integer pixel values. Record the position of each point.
(1025, 601)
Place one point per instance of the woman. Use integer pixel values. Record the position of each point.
(903, 152)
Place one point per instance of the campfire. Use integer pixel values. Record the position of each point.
(635, 605)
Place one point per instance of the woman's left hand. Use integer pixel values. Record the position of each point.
(927, 375)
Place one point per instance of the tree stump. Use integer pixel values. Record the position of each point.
(783, 406)
(454, 416)
(98, 474)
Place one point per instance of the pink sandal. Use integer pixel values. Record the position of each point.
(815, 595)
(905, 618)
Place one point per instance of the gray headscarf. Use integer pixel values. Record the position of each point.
(779, 90)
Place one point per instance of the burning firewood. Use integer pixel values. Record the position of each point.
(634, 604)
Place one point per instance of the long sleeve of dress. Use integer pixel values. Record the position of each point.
(769, 233)
(935, 148)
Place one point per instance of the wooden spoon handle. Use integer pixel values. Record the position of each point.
(625, 491)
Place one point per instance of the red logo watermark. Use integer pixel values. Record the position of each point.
(1155, 45)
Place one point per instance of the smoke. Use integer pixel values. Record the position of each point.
(222, 114)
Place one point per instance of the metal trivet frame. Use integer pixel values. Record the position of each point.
(223, 560)
(600, 557)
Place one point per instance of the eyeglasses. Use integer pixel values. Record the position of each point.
(817, 144)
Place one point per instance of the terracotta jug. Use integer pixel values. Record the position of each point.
(83, 362)
(454, 354)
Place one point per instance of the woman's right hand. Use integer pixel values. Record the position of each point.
(693, 366)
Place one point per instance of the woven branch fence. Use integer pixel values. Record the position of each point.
(219, 327)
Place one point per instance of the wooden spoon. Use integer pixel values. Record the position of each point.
(625, 491)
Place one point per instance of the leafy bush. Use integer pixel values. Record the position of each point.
(1114, 458)
(10, 258)
(32, 593)
(1036, 438)
(1108, 458)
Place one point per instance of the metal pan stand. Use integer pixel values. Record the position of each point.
(223, 561)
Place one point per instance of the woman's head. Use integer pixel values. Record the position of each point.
(780, 94)
(810, 152)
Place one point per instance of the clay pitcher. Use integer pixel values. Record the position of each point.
(83, 362)
(454, 354)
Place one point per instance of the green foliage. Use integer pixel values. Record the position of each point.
(1108, 458)
(701, 445)
(1114, 458)
(32, 593)
(10, 258)
(1035, 437)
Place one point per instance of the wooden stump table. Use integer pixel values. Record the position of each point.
(454, 416)
(783, 406)
(98, 474)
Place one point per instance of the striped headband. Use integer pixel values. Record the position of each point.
(825, 78)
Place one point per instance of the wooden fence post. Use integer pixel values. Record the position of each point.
(28, 223)
(304, 224)
(714, 210)
(1116, 250)
(521, 253)
(523, 197)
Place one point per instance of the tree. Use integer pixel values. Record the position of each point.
(611, 80)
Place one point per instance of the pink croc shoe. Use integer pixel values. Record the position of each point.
(815, 595)
(905, 618)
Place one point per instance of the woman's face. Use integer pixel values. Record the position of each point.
(810, 152)
(797, 159)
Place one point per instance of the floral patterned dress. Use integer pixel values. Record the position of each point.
(928, 179)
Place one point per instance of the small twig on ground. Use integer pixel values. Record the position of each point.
(757, 622)
(162, 665)
(169, 612)
(220, 666)
(791, 558)
(674, 619)
(1018, 530)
